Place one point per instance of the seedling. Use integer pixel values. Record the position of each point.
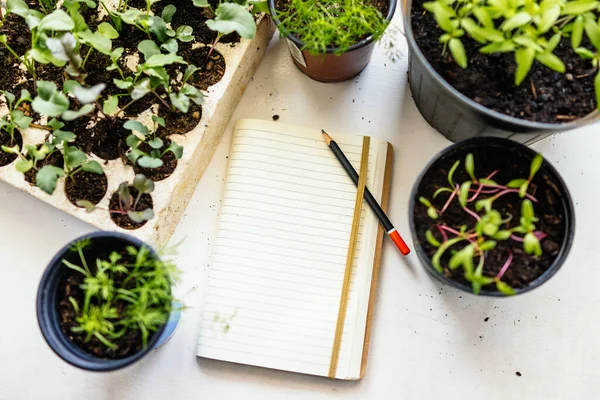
(531, 30)
(490, 226)
(230, 17)
(15, 118)
(152, 159)
(339, 24)
(126, 291)
(128, 205)
(76, 161)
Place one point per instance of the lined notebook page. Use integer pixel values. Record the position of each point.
(278, 265)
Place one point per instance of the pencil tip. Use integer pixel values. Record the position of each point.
(327, 137)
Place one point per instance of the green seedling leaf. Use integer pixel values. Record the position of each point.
(23, 165)
(577, 32)
(141, 216)
(74, 157)
(149, 162)
(531, 244)
(523, 189)
(201, 3)
(592, 31)
(260, 7)
(515, 183)
(148, 48)
(578, 7)
(63, 136)
(70, 115)
(470, 166)
(184, 34)
(141, 89)
(18, 7)
(499, 47)
(168, 13)
(156, 143)
(49, 100)
(180, 101)
(143, 184)
(158, 120)
(584, 53)
(431, 239)
(56, 21)
(136, 126)
(484, 204)
(11, 150)
(132, 141)
(451, 173)
(88, 95)
(458, 52)
(110, 105)
(230, 17)
(551, 61)
(47, 176)
(432, 213)
(553, 42)
(106, 30)
(442, 13)
(501, 235)
(176, 149)
(524, 58)
(436, 259)
(504, 288)
(159, 28)
(88, 205)
(441, 190)
(20, 119)
(488, 245)
(170, 45)
(160, 60)
(548, 18)
(425, 202)
(518, 20)
(527, 210)
(96, 40)
(463, 194)
(121, 84)
(535, 166)
(92, 166)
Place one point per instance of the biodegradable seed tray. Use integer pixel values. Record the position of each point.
(171, 195)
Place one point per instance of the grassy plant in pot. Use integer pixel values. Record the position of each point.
(490, 216)
(520, 68)
(105, 301)
(331, 40)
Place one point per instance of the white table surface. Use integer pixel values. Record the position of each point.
(428, 342)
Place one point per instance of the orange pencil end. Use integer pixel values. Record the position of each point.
(399, 242)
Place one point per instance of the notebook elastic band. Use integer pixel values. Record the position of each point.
(339, 329)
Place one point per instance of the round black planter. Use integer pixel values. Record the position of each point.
(511, 149)
(329, 67)
(458, 117)
(47, 306)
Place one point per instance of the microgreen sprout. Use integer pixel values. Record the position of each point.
(150, 137)
(128, 204)
(15, 117)
(468, 247)
(529, 29)
(126, 291)
(230, 17)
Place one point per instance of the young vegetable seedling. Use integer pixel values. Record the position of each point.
(152, 159)
(15, 118)
(230, 17)
(128, 205)
(490, 226)
(123, 292)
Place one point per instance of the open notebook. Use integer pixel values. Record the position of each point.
(277, 271)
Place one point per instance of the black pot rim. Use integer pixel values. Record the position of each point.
(415, 51)
(569, 216)
(56, 339)
(330, 50)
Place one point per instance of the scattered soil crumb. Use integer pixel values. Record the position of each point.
(518, 373)
(275, 117)
(486, 319)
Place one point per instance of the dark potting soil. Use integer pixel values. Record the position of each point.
(55, 159)
(544, 95)
(163, 172)
(180, 123)
(196, 17)
(86, 186)
(138, 106)
(17, 32)
(108, 139)
(122, 219)
(550, 210)
(210, 69)
(128, 344)
(6, 140)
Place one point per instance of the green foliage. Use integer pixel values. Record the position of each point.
(531, 29)
(232, 17)
(468, 247)
(338, 24)
(151, 138)
(127, 291)
(15, 117)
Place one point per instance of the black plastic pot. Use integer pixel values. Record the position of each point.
(48, 315)
(329, 67)
(511, 149)
(458, 117)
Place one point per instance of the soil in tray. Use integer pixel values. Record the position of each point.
(544, 95)
(550, 211)
(163, 172)
(128, 344)
(122, 219)
(55, 159)
(86, 186)
(107, 139)
(6, 140)
(180, 123)
(188, 14)
(210, 69)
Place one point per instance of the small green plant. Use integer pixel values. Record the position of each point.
(339, 24)
(529, 29)
(15, 118)
(127, 291)
(76, 161)
(128, 205)
(230, 17)
(150, 137)
(490, 226)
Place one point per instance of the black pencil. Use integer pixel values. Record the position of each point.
(385, 221)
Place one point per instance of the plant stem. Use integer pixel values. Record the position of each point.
(82, 257)
(506, 190)
(472, 213)
(139, 196)
(454, 192)
(212, 47)
(506, 265)
(478, 191)
(86, 58)
(164, 103)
